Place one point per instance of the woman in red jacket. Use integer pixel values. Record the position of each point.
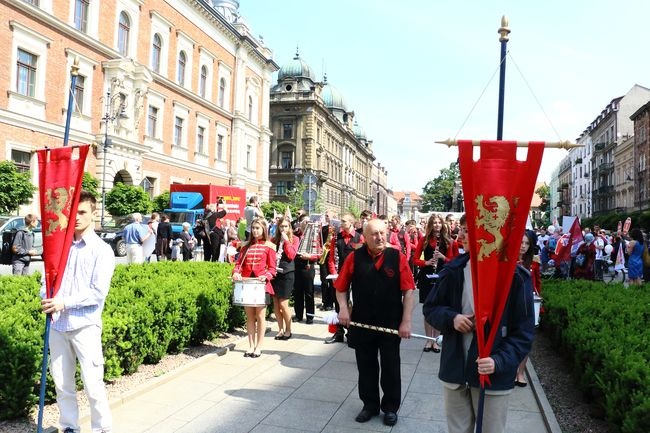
(257, 259)
(434, 249)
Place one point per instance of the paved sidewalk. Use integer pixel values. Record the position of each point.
(301, 385)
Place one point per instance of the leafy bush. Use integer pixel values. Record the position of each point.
(604, 328)
(151, 310)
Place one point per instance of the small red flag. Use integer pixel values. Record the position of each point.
(569, 242)
(498, 190)
(59, 181)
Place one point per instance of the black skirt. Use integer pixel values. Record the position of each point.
(283, 285)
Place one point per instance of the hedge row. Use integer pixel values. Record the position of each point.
(151, 310)
(604, 330)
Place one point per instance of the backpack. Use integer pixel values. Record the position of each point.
(7, 246)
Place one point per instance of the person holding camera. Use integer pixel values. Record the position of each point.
(252, 211)
(213, 234)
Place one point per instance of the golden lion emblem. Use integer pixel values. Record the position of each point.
(58, 202)
(492, 218)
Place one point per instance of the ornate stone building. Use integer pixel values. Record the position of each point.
(317, 141)
(168, 91)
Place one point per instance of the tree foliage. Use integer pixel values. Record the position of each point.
(544, 193)
(15, 188)
(161, 202)
(438, 193)
(126, 199)
(91, 184)
(279, 207)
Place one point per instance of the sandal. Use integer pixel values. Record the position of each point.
(435, 348)
(280, 336)
(285, 337)
(256, 354)
(427, 348)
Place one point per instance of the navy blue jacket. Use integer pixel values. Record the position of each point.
(512, 342)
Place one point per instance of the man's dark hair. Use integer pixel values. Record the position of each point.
(87, 196)
(365, 214)
(462, 220)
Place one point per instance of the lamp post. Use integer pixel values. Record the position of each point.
(108, 117)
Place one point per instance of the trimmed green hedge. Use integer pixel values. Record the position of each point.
(603, 328)
(151, 310)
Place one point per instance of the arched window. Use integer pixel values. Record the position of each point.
(156, 50)
(250, 108)
(203, 80)
(180, 76)
(123, 34)
(222, 92)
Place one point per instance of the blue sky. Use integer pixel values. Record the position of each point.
(413, 70)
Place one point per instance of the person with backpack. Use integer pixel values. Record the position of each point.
(22, 248)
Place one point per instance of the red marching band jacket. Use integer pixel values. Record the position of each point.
(258, 260)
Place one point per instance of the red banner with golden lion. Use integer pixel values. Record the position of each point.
(498, 190)
(59, 181)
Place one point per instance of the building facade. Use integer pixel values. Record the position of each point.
(624, 176)
(167, 91)
(640, 157)
(609, 130)
(317, 141)
(581, 176)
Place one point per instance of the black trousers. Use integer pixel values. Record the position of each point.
(212, 249)
(367, 344)
(327, 289)
(303, 291)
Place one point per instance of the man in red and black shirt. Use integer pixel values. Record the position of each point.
(382, 286)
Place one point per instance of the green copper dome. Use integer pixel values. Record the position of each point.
(332, 98)
(296, 68)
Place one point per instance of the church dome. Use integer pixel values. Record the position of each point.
(332, 98)
(296, 68)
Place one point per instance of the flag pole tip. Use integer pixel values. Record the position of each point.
(448, 142)
(74, 69)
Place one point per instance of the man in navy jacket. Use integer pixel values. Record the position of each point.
(450, 309)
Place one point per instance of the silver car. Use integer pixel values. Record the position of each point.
(9, 223)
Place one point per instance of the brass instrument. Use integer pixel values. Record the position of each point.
(334, 227)
(311, 242)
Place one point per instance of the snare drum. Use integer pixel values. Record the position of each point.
(249, 292)
(538, 307)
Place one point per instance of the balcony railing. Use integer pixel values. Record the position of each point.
(599, 146)
(606, 167)
(578, 160)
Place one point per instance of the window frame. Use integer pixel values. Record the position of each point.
(123, 33)
(181, 64)
(28, 87)
(156, 52)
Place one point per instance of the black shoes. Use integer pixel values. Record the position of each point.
(336, 338)
(366, 414)
(390, 418)
(309, 321)
(296, 319)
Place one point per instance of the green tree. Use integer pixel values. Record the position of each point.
(438, 193)
(15, 188)
(279, 207)
(544, 193)
(161, 202)
(91, 184)
(126, 199)
(294, 195)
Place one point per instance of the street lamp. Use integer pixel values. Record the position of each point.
(112, 117)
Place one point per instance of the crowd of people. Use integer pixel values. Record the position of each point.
(597, 253)
(369, 269)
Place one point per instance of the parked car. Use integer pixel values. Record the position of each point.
(9, 223)
(112, 233)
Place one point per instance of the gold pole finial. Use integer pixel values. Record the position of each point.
(504, 31)
(74, 69)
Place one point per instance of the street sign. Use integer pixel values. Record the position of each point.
(309, 179)
(309, 196)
